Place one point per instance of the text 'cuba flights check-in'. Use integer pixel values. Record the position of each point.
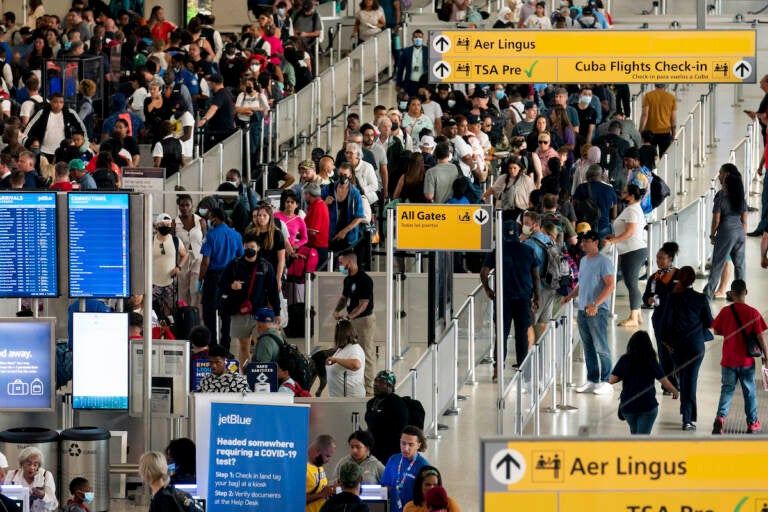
(636, 56)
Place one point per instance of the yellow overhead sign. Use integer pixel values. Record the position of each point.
(444, 227)
(567, 475)
(667, 56)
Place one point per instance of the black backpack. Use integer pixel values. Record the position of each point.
(587, 210)
(612, 160)
(184, 501)
(659, 190)
(416, 413)
(302, 364)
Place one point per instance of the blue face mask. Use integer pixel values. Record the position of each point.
(172, 465)
(344, 270)
(403, 105)
(281, 12)
(210, 225)
(585, 100)
(418, 41)
(88, 498)
(499, 95)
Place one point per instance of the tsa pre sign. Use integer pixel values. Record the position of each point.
(258, 457)
(659, 475)
(441, 227)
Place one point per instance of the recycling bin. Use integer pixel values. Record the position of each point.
(84, 452)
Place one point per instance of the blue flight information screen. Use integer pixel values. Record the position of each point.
(99, 252)
(28, 253)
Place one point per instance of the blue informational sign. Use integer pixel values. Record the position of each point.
(26, 365)
(99, 249)
(28, 254)
(202, 367)
(257, 458)
(262, 377)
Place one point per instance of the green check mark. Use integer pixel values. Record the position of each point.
(529, 72)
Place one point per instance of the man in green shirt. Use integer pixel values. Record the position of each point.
(269, 339)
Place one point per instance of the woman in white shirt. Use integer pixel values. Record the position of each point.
(39, 481)
(369, 20)
(631, 243)
(346, 365)
(190, 228)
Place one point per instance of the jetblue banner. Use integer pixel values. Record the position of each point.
(257, 457)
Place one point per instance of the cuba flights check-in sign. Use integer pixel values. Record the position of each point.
(444, 227)
(592, 56)
(629, 475)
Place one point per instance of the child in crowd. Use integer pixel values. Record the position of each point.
(82, 495)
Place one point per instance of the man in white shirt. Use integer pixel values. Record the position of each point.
(539, 19)
(35, 100)
(364, 173)
(431, 109)
(462, 152)
(183, 128)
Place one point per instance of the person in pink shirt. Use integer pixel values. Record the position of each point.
(288, 214)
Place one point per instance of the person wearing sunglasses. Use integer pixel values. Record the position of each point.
(168, 258)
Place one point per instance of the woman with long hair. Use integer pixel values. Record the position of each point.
(190, 228)
(561, 126)
(631, 243)
(289, 215)
(345, 367)
(158, 25)
(270, 239)
(153, 470)
(542, 125)
(728, 232)
(513, 188)
(685, 327)
(369, 20)
(428, 478)
(657, 290)
(638, 369)
(410, 186)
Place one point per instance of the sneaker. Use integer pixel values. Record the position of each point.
(755, 427)
(603, 389)
(717, 428)
(689, 426)
(587, 387)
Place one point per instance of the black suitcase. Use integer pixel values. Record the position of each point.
(184, 319)
(295, 327)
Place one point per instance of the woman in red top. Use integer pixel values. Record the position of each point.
(158, 25)
(318, 222)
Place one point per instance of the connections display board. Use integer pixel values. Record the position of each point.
(26, 364)
(100, 361)
(99, 248)
(28, 252)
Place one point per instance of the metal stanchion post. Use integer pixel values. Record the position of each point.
(702, 155)
(680, 170)
(535, 376)
(471, 329)
(390, 301)
(500, 342)
(435, 426)
(329, 141)
(553, 330)
(376, 73)
(564, 365)
(349, 83)
(689, 129)
(399, 316)
(454, 410)
(308, 313)
(261, 140)
(147, 377)
(713, 140)
(615, 261)
(275, 134)
(295, 137)
(418, 262)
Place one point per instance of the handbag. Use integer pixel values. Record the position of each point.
(753, 347)
(245, 307)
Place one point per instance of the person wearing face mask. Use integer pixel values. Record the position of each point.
(219, 119)
(307, 26)
(587, 118)
(248, 281)
(415, 120)
(412, 65)
(221, 245)
(356, 304)
(82, 495)
(345, 208)
(282, 21)
(232, 66)
(431, 109)
(168, 258)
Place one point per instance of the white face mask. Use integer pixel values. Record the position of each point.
(255, 68)
(451, 103)
(527, 230)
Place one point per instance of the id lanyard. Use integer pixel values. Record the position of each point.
(401, 483)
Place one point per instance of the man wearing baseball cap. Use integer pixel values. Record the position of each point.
(386, 416)
(596, 283)
(168, 258)
(80, 175)
(269, 339)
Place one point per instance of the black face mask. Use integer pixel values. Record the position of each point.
(249, 252)
(343, 179)
(318, 461)
(164, 230)
(249, 89)
(423, 98)
(395, 126)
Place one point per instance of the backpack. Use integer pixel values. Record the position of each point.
(300, 266)
(416, 412)
(473, 194)
(612, 160)
(593, 25)
(659, 190)
(587, 210)
(184, 501)
(297, 390)
(303, 365)
(557, 269)
(444, 13)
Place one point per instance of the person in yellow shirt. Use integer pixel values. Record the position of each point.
(320, 452)
(659, 117)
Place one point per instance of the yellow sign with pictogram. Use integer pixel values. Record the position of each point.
(630, 475)
(444, 227)
(593, 56)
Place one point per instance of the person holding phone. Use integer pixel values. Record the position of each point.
(39, 481)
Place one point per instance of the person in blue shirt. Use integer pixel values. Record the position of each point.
(459, 193)
(401, 469)
(185, 76)
(539, 241)
(221, 245)
(602, 194)
(345, 210)
(640, 176)
(520, 287)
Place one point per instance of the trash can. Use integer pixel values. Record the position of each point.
(85, 452)
(14, 440)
